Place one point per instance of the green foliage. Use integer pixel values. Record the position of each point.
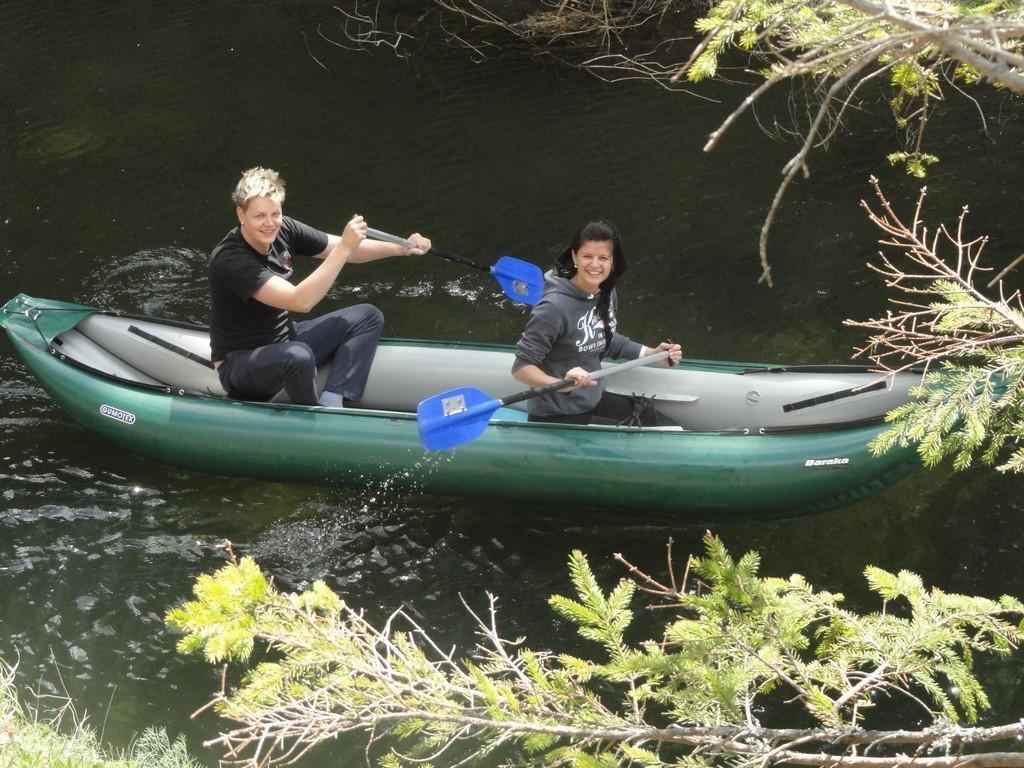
(916, 163)
(28, 740)
(220, 620)
(827, 41)
(154, 749)
(731, 645)
(964, 412)
(912, 81)
(736, 638)
(599, 618)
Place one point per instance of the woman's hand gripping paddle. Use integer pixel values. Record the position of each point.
(520, 280)
(460, 415)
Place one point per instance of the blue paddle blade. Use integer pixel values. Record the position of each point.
(454, 417)
(520, 280)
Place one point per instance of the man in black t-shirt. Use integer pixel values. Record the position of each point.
(256, 346)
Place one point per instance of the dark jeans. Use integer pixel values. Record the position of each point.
(612, 408)
(348, 338)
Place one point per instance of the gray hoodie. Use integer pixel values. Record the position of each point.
(564, 331)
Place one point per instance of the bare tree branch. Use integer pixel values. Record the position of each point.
(920, 332)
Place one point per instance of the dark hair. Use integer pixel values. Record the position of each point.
(600, 232)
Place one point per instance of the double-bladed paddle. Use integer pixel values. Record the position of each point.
(520, 280)
(460, 415)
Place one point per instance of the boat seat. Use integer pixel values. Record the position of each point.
(81, 349)
(177, 357)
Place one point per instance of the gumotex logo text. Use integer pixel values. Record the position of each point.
(837, 461)
(116, 413)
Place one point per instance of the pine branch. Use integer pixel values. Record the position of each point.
(734, 641)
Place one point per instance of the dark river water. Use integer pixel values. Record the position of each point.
(125, 126)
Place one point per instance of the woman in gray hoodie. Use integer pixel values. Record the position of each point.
(573, 327)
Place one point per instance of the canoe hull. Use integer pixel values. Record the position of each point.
(702, 473)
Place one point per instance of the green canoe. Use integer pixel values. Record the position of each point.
(756, 440)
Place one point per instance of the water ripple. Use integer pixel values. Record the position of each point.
(166, 282)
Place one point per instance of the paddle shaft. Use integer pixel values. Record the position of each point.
(600, 373)
(384, 237)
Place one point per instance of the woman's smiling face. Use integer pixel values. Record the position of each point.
(594, 260)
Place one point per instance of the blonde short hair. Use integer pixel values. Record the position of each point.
(258, 182)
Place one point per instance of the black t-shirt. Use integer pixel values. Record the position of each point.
(237, 270)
